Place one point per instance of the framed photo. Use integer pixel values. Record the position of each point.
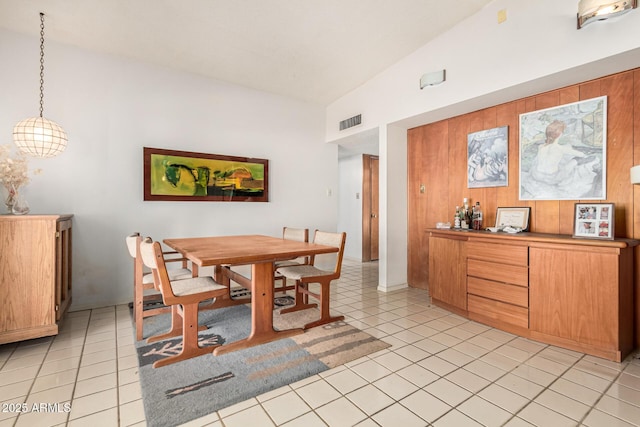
(488, 158)
(594, 220)
(186, 176)
(563, 152)
(513, 217)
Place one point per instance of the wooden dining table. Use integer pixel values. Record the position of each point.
(260, 252)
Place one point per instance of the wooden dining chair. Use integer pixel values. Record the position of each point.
(183, 296)
(143, 281)
(299, 235)
(322, 269)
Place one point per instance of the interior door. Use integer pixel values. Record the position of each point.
(370, 204)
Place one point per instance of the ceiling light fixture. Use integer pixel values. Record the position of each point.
(597, 10)
(38, 136)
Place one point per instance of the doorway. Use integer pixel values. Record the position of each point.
(370, 217)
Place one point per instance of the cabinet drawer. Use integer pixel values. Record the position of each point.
(503, 254)
(499, 311)
(517, 295)
(516, 275)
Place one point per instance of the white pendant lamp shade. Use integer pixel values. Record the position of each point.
(39, 137)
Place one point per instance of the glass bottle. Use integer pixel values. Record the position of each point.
(464, 217)
(477, 217)
(456, 218)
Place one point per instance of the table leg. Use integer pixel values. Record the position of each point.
(261, 312)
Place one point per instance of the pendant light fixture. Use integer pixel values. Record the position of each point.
(37, 136)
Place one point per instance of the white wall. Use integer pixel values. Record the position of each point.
(350, 207)
(537, 49)
(112, 107)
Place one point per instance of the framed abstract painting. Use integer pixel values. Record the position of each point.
(186, 176)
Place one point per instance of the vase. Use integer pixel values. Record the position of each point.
(15, 202)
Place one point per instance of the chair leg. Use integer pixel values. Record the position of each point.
(137, 307)
(301, 299)
(325, 314)
(190, 347)
(176, 326)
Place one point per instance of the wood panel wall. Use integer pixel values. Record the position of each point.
(437, 160)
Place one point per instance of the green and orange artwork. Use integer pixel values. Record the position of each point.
(192, 176)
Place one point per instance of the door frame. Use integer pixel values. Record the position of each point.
(367, 191)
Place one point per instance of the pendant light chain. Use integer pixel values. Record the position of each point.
(41, 63)
(37, 136)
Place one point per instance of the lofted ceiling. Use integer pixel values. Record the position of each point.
(311, 50)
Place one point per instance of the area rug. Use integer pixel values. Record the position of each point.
(190, 389)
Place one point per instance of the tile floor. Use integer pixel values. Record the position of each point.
(442, 370)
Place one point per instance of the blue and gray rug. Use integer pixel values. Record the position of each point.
(188, 390)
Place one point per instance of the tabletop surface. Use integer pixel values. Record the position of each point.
(246, 249)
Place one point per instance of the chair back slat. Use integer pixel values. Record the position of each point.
(132, 244)
(332, 261)
(297, 234)
(152, 256)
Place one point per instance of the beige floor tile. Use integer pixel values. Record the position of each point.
(371, 370)
(132, 413)
(448, 392)
(18, 375)
(254, 416)
(370, 399)
(467, 380)
(505, 399)
(310, 419)
(341, 412)
(108, 418)
(98, 357)
(97, 402)
(425, 405)
(484, 412)
(346, 381)
(398, 415)
(539, 415)
(395, 386)
(318, 393)
(96, 384)
(619, 409)
(285, 407)
(455, 418)
(10, 391)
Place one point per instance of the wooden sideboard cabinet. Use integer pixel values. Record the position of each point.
(573, 293)
(35, 275)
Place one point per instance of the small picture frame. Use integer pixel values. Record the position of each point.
(517, 217)
(594, 220)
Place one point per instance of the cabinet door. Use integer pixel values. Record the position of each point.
(574, 295)
(63, 267)
(448, 271)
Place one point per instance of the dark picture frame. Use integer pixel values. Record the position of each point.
(594, 221)
(171, 175)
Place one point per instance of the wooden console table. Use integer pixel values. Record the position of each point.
(573, 293)
(35, 275)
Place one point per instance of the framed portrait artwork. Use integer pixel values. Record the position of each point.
(563, 152)
(186, 176)
(594, 220)
(488, 158)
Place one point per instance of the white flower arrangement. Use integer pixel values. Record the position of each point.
(14, 171)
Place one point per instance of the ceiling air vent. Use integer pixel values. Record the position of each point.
(351, 122)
